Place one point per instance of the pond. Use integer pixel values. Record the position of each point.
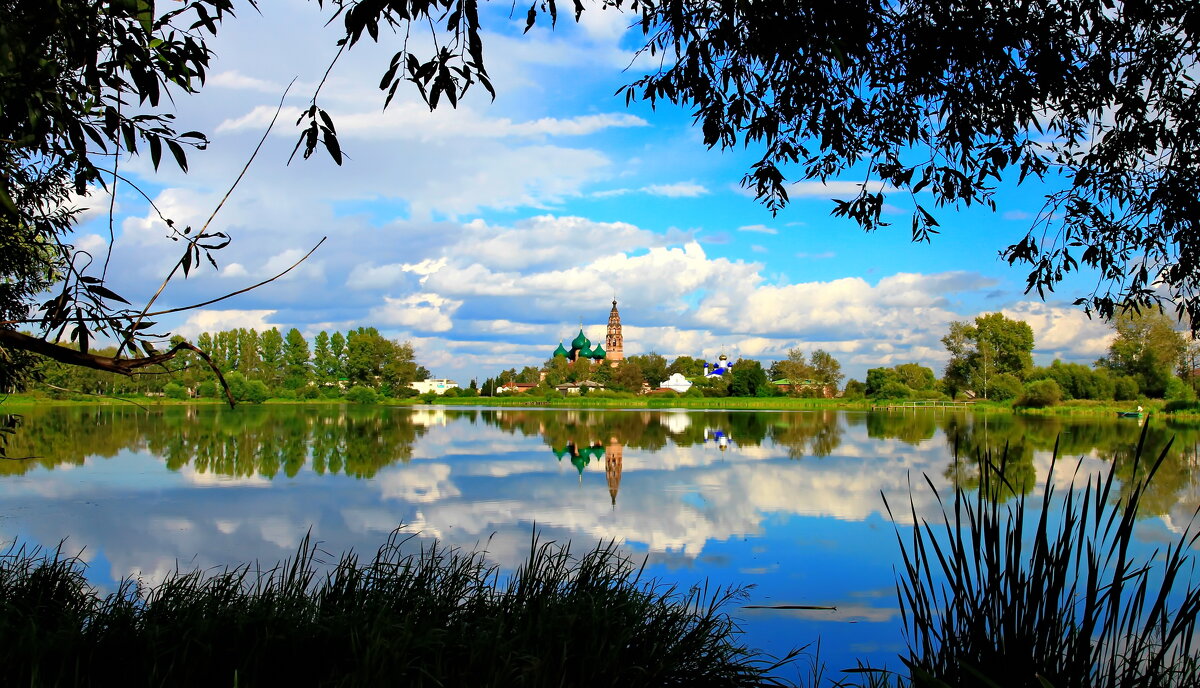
(789, 503)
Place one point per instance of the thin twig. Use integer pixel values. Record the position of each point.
(179, 264)
(97, 394)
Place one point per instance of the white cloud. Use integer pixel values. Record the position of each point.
(676, 190)
(1063, 332)
(422, 312)
(413, 121)
(210, 320)
(836, 188)
(234, 79)
(761, 229)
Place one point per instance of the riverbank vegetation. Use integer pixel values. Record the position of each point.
(427, 616)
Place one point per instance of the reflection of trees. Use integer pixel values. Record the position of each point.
(1175, 476)
(990, 443)
(67, 436)
(911, 428)
(244, 442)
(807, 434)
(649, 430)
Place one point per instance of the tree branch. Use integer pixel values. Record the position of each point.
(111, 364)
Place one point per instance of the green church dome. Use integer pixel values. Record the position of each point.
(597, 352)
(580, 341)
(560, 351)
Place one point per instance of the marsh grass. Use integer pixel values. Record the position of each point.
(1007, 594)
(435, 617)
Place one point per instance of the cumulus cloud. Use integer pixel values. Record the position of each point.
(212, 320)
(420, 312)
(1062, 331)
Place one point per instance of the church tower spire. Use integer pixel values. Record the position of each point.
(614, 344)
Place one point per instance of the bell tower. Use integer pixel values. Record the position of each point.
(613, 342)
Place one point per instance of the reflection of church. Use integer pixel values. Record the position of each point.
(582, 457)
(581, 346)
(718, 438)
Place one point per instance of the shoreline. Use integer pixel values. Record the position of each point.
(1069, 408)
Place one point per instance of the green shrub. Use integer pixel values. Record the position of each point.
(1040, 394)
(428, 397)
(174, 390)
(1003, 387)
(1177, 405)
(359, 394)
(894, 390)
(1125, 388)
(256, 392)
(693, 393)
(308, 392)
(1178, 390)
(208, 389)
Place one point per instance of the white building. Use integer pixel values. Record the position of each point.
(677, 382)
(439, 386)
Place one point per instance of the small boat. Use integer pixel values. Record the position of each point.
(1130, 414)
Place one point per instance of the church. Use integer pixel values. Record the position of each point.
(613, 351)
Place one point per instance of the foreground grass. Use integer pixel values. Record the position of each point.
(1004, 593)
(436, 617)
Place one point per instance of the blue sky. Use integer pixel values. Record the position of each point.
(485, 234)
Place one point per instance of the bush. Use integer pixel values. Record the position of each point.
(1178, 390)
(256, 392)
(1040, 394)
(1125, 388)
(693, 393)
(359, 394)
(308, 392)
(1177, 405)
(174, 390)
(894, 390)
(428, 397)
(1003, 387)
(208, 389)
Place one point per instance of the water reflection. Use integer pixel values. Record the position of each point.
(273, 442)
(789, 501)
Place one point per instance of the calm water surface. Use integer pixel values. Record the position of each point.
(789, 503)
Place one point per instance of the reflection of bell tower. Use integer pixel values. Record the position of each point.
(613, 457)
(614, 344)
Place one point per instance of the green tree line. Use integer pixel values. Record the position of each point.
(259, 365)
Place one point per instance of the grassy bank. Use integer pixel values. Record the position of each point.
(1067, 408)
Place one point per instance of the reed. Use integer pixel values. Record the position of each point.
(436, 616)
(1007, 594)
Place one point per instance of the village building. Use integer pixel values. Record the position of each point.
(439, 386)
